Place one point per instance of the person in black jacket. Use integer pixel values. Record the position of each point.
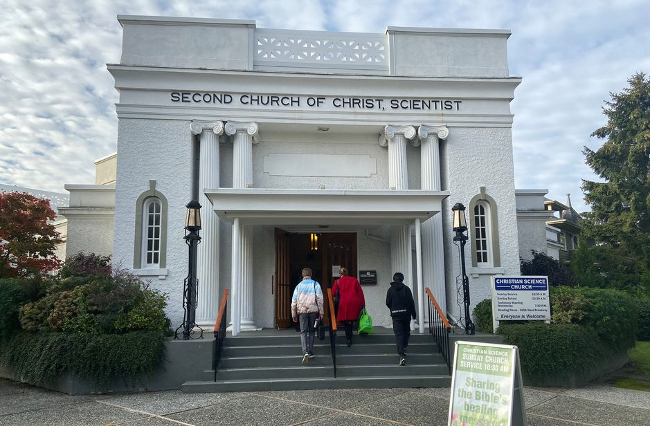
(399, 300)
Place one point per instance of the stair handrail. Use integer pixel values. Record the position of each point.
(219, 332)
(439, 328)
(333, 328)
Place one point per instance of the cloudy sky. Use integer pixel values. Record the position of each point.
(57, 112)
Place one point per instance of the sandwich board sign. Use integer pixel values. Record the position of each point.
(486, 386)
(520, 298)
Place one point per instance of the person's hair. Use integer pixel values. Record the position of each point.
(343, 271)
(306, 272)
(398, 276)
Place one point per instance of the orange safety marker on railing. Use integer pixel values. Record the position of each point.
(332, 313)
(435, 305)
(222, 310)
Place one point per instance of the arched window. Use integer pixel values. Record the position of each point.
(482, 237)
(151, 228)
(484, 231)
(150, 242)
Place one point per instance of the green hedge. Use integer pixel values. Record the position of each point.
(14, 293)
(644, 320)
(41, 357)
(553, 349)
(87, 320)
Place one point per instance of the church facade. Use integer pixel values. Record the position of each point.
(312, 149)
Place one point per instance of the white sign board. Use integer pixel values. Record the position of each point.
(520, 298)
(486, 386)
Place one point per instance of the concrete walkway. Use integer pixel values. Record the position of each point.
(26, 405)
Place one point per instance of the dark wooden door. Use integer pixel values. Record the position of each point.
(338, 250)
(282, 290)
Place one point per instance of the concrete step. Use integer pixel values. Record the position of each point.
(392, 370)
(294, 372)
(340, 339)
(272, 361)
(386, 359)
(383, 382)
(324, 349)
(315, 370)
(325, 360)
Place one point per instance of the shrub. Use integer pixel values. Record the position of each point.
(553, 349)
(41, 357)
(483, 316)
(545, 265)
(568, 306)
(644, 320)
(14, 293)
(85, 265)
(97, 304)
(613, 315)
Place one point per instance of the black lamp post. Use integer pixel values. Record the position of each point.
(460, 226)
(192, 239)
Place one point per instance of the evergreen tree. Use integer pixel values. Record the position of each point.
(619, 221)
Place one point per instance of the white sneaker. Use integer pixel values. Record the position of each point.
(305, 359)
(402, 361)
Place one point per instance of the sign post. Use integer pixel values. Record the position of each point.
(486, 386)
(520, 298)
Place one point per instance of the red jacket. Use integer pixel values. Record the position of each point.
(351, 298)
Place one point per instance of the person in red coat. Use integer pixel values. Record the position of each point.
(351, 301)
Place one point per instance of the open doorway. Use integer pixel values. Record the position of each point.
(324, 253)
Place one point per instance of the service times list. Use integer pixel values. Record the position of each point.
(521, 298)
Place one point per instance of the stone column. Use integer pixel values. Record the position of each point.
(433, 256)
(395, 138)
(244, 135)
(208, 250)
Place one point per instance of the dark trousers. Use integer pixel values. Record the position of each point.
(402, 330)
(348, 329)
(307, 331)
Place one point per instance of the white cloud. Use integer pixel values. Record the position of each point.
(57, 104)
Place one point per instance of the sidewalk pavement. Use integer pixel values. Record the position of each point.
(591, 405)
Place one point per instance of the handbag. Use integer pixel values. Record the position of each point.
(320, 329)
(365, 323)
(337, 297)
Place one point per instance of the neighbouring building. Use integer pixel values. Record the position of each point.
(546, 226)
(306, 149)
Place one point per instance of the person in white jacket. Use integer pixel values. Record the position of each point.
(307, 305)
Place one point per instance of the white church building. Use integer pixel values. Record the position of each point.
(306, 149)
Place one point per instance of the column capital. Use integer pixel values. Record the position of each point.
(250, 128)
(424, 131)
(391, 131)
(197, 127)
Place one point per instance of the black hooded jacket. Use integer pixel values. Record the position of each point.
(399, 300)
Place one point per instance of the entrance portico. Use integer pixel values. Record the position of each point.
(317, 208)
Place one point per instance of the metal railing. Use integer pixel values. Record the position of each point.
(219, 332)
(439, 328)
(333, 329)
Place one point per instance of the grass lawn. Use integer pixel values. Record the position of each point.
(637, 377)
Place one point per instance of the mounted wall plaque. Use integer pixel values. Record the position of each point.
(368, 277)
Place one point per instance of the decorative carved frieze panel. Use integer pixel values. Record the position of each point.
(320, 49)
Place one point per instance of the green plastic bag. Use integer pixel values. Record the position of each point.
(365, 323)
